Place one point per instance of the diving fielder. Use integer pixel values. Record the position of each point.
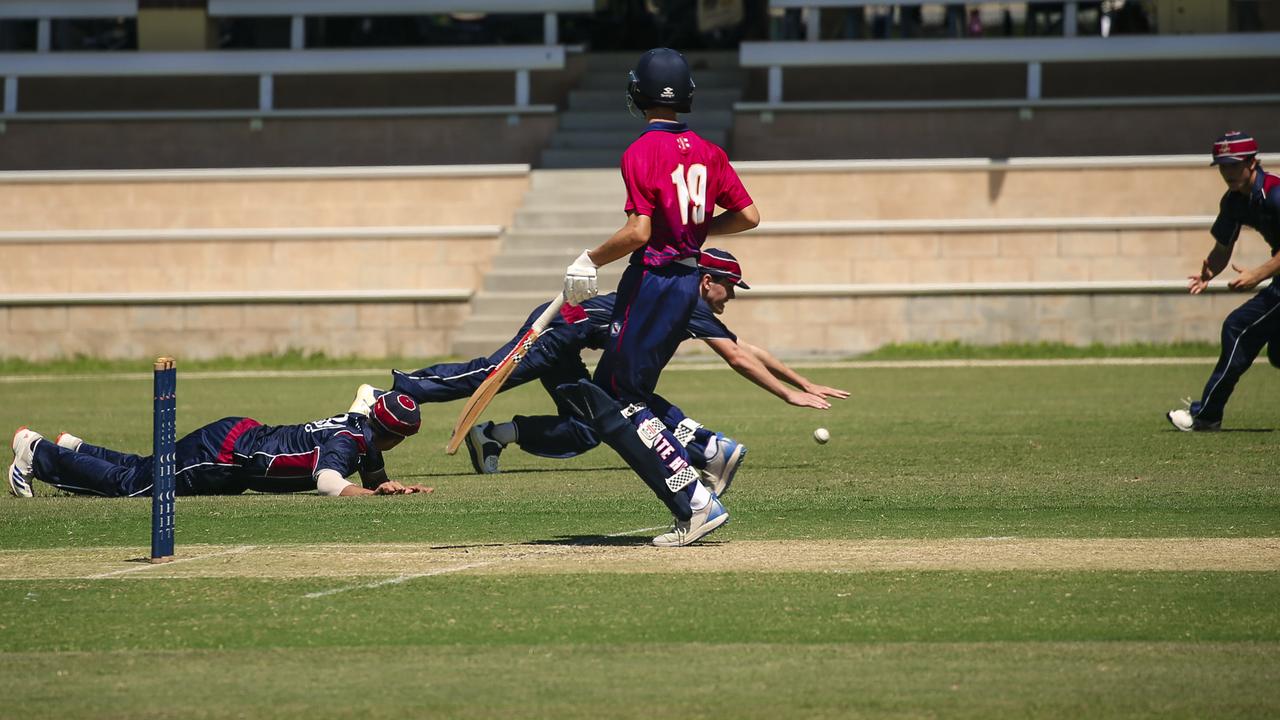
(232, 455)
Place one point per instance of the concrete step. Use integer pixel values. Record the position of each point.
(578, 158)
(585, 201)
(624, 62)
(617, 140)
(544, 240)
(545, 279)
(560, 180)
(516, 305)
(560, 217)
(609, 120)
(606, 100)
(701, 78)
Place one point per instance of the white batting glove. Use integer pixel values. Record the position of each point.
(580, 280)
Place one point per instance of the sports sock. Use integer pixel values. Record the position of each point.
(504, 433)
(700, 496)
(713, 447)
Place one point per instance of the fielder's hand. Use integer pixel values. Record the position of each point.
(1198, 283)
(1247, 280)
(580, 280)
(391, 487)
(809, 400)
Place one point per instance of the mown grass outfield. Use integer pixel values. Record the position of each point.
(973, 542)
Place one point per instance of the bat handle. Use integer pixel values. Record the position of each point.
(553, 308)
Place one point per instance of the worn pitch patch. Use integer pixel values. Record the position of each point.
(404, 560)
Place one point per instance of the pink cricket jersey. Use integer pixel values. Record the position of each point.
(677, 179)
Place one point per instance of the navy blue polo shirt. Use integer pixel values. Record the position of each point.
(1260, 210)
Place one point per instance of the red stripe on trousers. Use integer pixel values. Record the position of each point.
(229, 443)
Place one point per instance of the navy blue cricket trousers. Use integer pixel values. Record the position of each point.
(553, 359)
(203, 466)
(650, 319)
(1244, 332)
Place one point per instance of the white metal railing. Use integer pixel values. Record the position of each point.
(228, 298)
(266, 64)
(1050, 287)
(299, 10)
(281, 234)
(1032, 51)
(375, 172)
(978, 225)
(812, 10)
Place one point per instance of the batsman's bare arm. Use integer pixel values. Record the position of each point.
(636, 232)
(730, 221)
(630, 237)
(784, 373)
(746, 364)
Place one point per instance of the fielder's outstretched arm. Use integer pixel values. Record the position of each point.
(784, 373)
(746, 364)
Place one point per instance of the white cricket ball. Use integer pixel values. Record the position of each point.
(821, 436)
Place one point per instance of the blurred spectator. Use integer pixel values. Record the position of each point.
(975, 23)
(910, 20)
(1130, 19)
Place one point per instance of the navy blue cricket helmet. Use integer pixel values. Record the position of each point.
(395, 413)
(661, 78)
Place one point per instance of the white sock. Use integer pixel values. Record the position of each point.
(504, 433)
(713, 447)
(700, 496)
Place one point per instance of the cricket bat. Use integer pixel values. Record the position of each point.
(492, 384)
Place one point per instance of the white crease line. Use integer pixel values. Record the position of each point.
(398, 580)
(230, 551)
(633, 532)
(459, 568)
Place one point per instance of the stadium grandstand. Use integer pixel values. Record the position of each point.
(409, 177)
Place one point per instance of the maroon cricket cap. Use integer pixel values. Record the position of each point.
(396, 414)
(1234, 147)
(722, 263)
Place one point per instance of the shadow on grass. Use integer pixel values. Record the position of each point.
(1229, 430)
(594, 540)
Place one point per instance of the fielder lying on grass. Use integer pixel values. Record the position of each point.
(233, 455)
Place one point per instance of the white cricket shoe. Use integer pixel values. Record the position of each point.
(68, 441)
(719, 472)
(483, 448)
(703, 523)
(21, 472)
(1186, 422)
(366, 396)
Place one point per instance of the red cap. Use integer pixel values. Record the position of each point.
(1234, 147)
(722, 263)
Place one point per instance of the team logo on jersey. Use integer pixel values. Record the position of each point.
(615, 329)
(668, 93)
(682, 143)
